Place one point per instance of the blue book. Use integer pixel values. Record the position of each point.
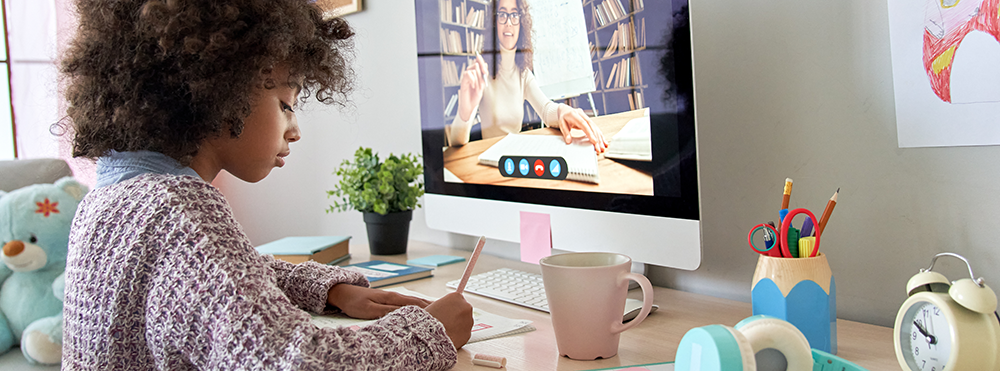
(321, 249)
(435, 260)
(382, 273)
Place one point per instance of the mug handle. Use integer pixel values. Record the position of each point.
(647, 301)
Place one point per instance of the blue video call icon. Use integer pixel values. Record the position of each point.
(536, 167)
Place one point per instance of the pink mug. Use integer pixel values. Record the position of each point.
(586, 294)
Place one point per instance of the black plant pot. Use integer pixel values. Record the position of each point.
(387, 234)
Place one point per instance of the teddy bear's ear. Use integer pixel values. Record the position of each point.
(71, 186)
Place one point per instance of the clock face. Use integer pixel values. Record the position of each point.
(925, 337)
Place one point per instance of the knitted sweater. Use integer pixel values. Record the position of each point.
(161, 276)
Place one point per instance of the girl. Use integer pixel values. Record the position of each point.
(166, 94)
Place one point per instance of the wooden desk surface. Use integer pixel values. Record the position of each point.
(654, 340)
(616, 176)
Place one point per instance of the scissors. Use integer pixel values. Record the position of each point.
(787, 223)
(770, 234)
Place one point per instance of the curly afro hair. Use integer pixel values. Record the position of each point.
(163, 75)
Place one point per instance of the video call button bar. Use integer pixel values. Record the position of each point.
(538, 167)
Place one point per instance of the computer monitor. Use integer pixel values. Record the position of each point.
(626, 63)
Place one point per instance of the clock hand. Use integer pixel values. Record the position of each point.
(930, 338)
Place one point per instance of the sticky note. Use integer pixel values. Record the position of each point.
(536, 236)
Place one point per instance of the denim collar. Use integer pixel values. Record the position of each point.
(121, 166)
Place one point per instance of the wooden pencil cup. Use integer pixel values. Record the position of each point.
(801, 291)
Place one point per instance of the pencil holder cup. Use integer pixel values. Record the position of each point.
(801, 291)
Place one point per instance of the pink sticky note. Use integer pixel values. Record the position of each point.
(536, 237)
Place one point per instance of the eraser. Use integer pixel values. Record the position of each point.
(489, 360)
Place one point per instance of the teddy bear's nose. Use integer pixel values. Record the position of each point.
(13, 248)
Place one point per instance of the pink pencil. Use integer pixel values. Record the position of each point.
(472, 263)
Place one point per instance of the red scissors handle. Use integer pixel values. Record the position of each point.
(787, 223)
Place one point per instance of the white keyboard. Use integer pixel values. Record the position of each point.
(524, 289)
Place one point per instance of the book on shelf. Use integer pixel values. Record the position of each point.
(581, 160)
(609, 11)
(297, 249)
(612, 45)
(445, 9)
(381, 273)
(610, 81)
(450, 75)
(473, 41)
(451, 104)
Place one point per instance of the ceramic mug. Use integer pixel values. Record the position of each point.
(586, 294)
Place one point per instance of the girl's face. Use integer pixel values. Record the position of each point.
(267, 132)
(507, 32)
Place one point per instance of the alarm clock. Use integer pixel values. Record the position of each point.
(944, 326)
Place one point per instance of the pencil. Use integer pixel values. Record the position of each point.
(472, 263)
(486, 78)
(826, 213)
(787, 195)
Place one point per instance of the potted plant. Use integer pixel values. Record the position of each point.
(384, 192)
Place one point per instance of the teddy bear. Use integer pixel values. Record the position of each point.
(34, 231)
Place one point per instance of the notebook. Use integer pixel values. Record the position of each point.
(486, 325)
(297, 249)
(435, 260)
(581, 159)
(380, 273)
(632, 142)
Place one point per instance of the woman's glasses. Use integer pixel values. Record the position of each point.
(504, 17)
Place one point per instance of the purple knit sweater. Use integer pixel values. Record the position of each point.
(161, 276)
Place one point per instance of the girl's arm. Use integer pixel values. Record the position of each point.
(224, 313)
(308, 284)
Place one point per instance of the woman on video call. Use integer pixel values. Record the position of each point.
(512, 84)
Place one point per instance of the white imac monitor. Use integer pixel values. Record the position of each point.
(489, 156)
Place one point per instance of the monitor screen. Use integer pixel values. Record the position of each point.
(514, 95)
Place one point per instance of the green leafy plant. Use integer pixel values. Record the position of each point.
(368, 185)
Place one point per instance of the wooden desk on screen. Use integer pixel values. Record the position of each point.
(654, 340)
(616, 176)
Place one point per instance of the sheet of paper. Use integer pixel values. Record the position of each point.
(486, 325)
(536, 236)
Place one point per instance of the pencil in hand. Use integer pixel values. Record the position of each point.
(786, 196)
(826, 213)
(472, 263)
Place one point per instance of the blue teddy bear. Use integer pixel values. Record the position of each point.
(34, 231)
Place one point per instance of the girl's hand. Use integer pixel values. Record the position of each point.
(456, 315)
(473, 82)
(365, 303)
(574, 118)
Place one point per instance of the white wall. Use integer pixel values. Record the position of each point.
(799, 89)
(384, 114)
